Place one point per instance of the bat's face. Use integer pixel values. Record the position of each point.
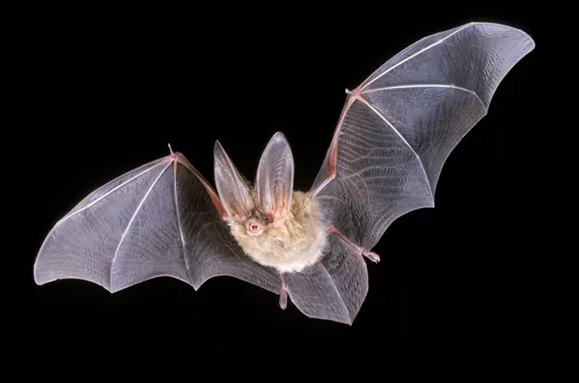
(257, 222)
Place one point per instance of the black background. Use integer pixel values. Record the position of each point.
(115, 86)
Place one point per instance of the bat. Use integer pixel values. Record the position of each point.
(392, 138)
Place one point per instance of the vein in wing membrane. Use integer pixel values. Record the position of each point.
(151, 244)
(210, 250)
(475, 56)
(378, 175)
(157, 220)
(431, 120)
(333, 289)
(82, 244)
(400, 125)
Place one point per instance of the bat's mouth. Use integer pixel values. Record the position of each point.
(253, 229)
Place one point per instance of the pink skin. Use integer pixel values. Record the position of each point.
(256, 222)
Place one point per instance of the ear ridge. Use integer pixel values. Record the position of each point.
(275, 176)
(231, 187)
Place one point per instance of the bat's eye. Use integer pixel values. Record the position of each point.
(267, 218)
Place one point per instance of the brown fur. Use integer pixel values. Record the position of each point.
(289, 243)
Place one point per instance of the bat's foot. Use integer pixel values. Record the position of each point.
(283, 299)
(366, 253)
(283, 294)
(371, 256)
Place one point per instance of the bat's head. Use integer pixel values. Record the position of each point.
(271, 198)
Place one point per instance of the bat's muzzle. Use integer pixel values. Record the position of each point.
(253, 227)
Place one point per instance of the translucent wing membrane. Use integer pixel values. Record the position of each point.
(333, 289)
(394, 134)
(400, 125)
(157, 220)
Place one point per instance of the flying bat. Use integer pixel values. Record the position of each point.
(392, 138)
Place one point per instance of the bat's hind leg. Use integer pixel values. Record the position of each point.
(369, 254)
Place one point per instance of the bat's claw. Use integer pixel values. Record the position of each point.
(282, 293)
(283, 299)
(371, 256)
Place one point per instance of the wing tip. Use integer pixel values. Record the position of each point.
(36, 275)
(347, 320)
(530, 41)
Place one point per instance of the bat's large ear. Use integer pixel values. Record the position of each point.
(275, 177)
(232, 188)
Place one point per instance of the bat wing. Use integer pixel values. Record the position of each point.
(161, 219)
(394, 134)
